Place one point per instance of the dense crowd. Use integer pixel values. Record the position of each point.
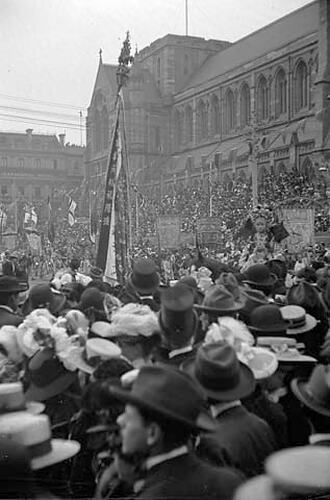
(214, 386)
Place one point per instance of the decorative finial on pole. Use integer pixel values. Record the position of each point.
(100, 54)
(125, 62)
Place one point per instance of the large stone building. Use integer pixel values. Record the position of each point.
(200, 108)
(32, 166)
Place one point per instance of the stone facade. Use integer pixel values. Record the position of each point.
(200, 109)
(32, 165)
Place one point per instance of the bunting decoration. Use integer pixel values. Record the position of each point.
(30, 218)
(51, 225)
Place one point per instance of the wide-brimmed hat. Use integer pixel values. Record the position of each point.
(267, 319)
(170, 393)
(259, 275)
(222, 376)
(219, 300)
(262, 362)
(34, 432)
(12, 399)
(95, 351)
(297, 319)
(100, 329)
(177, 318)
(315, 391)
(252, 299)
(11, 284)
(41, 295)
(133, 321)
(144, 277)
(229, 281)
(47, 376)
(286, 349)
(299, 471)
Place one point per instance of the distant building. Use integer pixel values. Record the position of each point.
(195, 108)
(33, 165)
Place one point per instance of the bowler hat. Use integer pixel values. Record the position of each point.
(315, 391)
(42, 295)
(47, 375)
(219, 372)
(92, 297)
(177, 318)
(168, 392)
(267, 319)
(297, 319)
(259, 275)
(10, 284)
(144, 277)
(96, 273)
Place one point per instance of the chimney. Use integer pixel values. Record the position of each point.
(62, 139)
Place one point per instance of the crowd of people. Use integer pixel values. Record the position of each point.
(211, 386)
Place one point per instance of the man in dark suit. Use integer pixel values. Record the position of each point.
(10, 287)
(162, 411)
(241, 439)
(8, 265)
(178, 324)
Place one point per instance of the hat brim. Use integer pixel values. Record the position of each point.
(237, 307)
(272, 280)
(34, 407)
(263, 372)
(62, 449)
(273, 329)
(35, 393)
(298, 389)
(204, 421)
(244, 387)
(144, 291)
(310, 324)
(257, 488)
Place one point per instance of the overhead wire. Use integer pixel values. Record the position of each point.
(50, 103)
(40, 112)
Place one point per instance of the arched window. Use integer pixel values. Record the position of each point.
(188, 116)
(245, 105)
(230, 111)
(105, 127)
(202, 119)
(300, 87)
(280, 93)
(215, 115)
(98, 131)
(263, 99)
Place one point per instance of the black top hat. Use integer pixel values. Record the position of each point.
(10, 284)
(47, 375)
(259, 275)
(218, 370)
(219, 300)
(144, 277)
(177, 319)
(314, 392)
(267, 320)
(168, 392)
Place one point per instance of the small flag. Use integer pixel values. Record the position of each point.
(72, 209)
(279, 232)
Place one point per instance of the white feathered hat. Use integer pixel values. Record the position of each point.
(133, 320)
(8, 340)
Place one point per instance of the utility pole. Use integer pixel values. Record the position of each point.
(186, 16)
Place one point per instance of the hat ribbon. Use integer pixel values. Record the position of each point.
(40, 449)
(296, 323)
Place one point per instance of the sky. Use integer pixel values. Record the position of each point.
(49, 49)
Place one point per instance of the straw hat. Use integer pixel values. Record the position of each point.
(12, 399)
(95, 351)
(297, 319)
(34, 432)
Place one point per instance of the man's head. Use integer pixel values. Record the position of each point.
(74, 264)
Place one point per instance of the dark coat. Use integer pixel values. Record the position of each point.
(8, 268)
(187, 477)
(129, 295)
(241, 440)
(9, 318)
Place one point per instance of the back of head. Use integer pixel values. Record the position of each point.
(305, 295)
(74, 264)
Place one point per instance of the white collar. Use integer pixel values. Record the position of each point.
(7, 308)
(182, 350)
(158, 459)
(220, 408)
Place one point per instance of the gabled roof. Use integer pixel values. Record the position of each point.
(299, 23)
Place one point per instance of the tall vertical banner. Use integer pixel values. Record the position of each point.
(114, 239)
